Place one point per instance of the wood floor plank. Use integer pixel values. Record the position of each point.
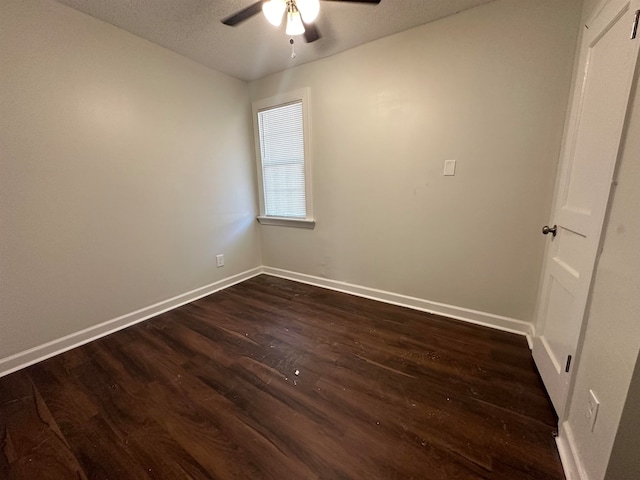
(32, 444)
(272, 379)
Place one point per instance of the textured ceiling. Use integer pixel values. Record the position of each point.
(255, 48)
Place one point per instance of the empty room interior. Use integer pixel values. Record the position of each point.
(398, 240)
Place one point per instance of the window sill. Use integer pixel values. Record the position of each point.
(287, 222)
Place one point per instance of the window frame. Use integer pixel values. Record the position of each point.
(300, 95)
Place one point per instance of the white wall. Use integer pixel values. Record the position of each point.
(124, 169)
(487, 87)
(612, 338)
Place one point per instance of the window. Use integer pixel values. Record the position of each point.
(284, 165)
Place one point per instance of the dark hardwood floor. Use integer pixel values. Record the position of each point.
(272, 379)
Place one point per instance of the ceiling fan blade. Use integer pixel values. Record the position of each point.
(311, 33)
(243, 14)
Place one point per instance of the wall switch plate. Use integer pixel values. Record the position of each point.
(449, 168)
(220, 260)
(592, 409)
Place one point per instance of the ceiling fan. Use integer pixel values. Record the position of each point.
(300, 15)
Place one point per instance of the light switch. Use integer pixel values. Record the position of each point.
(449, 168)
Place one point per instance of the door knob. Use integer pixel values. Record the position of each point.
(552, 230)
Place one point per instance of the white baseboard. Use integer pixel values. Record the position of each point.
(472, 316)
(571, 463)
(531, 335)
(29, 357)
(55, 347)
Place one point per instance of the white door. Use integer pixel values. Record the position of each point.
(608, 58)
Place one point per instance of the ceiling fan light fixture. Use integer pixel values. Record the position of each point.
(309, 9)
(274, 11)
(294, 23)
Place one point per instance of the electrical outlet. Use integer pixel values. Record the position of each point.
(449, 168)
(592, 409)
(220, 260)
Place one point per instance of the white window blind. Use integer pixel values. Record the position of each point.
(281, 132)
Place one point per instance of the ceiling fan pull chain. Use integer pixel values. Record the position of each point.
(293, 50)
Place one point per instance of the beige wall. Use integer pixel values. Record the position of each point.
(487, 87)
(124, 170)
(624, 463)
(612, 339)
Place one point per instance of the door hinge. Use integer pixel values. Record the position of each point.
(634, 27)
(566, 369)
